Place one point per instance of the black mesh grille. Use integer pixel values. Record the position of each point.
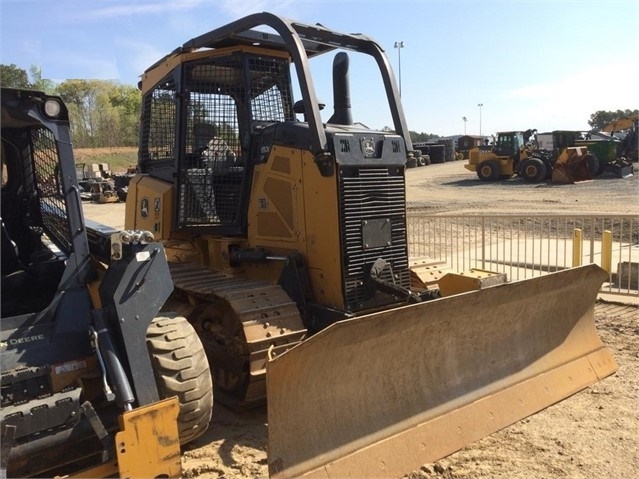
(158, 134)
(213, 169)
(47, 181)
(271, 98)
(372, 195)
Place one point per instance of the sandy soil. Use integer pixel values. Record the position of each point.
(449, 187)
(595, 433)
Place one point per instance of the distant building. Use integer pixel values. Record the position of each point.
(466, 143)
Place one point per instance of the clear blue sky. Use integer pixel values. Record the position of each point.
(532, 64)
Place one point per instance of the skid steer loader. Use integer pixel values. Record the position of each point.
(94, 383)
(287, 243)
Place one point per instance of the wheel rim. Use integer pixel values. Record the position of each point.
(486, 171)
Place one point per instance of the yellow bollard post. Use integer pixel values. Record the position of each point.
(606, 251)
(577, 240)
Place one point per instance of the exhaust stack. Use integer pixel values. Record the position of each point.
(341, 91)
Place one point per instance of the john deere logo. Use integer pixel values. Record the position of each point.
(144, 208)
(368, 147)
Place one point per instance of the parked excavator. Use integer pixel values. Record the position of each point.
(94, 382)
(287, 244)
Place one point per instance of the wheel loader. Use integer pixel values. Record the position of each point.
(604, 155)
(286, 237)
(94, 382)
(513, 154)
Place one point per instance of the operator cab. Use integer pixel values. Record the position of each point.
(509, 144)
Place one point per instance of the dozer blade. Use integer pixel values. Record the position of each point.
(382, 394)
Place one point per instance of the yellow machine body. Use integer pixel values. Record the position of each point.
(477, 159)
(136, 457)
(572, 165)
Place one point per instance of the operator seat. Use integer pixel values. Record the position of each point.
(202, 134)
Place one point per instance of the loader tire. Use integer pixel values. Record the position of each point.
(488, 171)
(594, 165)
(534, 170)
(181, 369)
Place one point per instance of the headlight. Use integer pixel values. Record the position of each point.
(52, 107)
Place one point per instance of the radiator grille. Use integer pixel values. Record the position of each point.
(372, 194)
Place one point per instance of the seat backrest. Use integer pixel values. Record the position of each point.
(202, 134)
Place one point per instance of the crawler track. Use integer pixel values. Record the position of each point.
(238, 321)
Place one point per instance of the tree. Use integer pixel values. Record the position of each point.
(126, 102)
(103, 113)
(600, 119)
(14, 77)
(81, 98)
(414, 136)
(39, 83)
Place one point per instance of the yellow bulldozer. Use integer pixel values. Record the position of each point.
(286, 236)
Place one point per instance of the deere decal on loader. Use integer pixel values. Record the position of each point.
(287, 245)
(93, 383)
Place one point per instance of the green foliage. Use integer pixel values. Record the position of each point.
(14, 77)
(39, 83)
(414, 136)
(600, 119)
(103, 113)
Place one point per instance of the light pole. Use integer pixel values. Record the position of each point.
(465, 120)
(399, 46)
(480, 105)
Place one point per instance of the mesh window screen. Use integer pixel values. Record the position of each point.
(223, 99)
(47, 182)
(271, 98)
(212, 168)
(158, 136)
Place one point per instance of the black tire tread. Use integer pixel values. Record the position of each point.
(181, 369)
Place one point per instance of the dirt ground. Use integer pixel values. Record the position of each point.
(594, 433)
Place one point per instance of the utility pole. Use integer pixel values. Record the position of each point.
(465, 120)
(399, 46)
(480, 105)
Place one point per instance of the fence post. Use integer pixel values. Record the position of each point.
(576, 247)
(606, 251)
(483, 242)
